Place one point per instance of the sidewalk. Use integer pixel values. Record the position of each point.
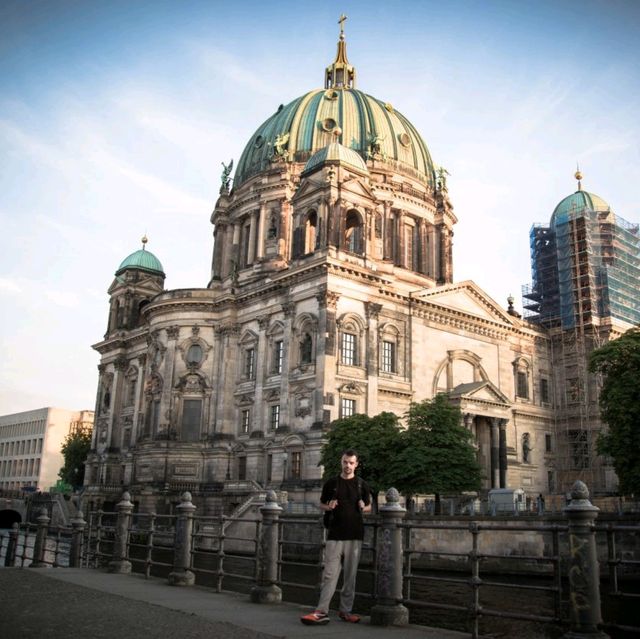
(76, 603)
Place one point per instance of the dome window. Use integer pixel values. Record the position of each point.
(330, 94)
(329, 124)
(258, 142)
(389, 107)
(194, 355)
(404, 138)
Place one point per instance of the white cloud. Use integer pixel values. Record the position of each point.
(9, 286)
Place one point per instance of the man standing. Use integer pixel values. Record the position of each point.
(346, 497)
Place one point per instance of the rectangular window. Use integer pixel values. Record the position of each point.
(242, 468)
(551, 481)
(274, 417)
(249, 363)
(544, 390)
(245, 421)
(191, 418)
(388, 357)
(348, 349)
(278, 353)
(523, 385)
(548, 447)
(296, 465)
(269, 467)
(347, 407)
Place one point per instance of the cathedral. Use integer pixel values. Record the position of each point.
(331, 293)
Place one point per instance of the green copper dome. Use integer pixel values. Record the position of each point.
(358, 121)
(335, 153)
(577, 202)
(142, 260)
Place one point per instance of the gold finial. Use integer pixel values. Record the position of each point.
(578, 176)
(341, 22)
(145, 239)
(340, 74)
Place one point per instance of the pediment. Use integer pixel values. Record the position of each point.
(483, 391)
(469, 298)
(356, 187)
(308, 187)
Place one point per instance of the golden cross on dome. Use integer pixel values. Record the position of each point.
(341, 22)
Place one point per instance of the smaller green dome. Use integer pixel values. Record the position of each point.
(142, 260)
(577, 202)
(336, 153)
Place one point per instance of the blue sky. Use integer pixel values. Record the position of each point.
(115, 118)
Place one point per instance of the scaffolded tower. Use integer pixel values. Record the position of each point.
(586, 272)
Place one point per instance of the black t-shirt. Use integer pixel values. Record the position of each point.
(347, 518)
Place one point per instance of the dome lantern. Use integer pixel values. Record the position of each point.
(340, 74)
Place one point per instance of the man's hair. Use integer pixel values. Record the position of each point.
(350, 452)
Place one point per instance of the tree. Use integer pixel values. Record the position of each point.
(619, 364)
(75, 450)
(376, 439)
(436, 454)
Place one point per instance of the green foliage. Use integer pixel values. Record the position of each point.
(75, 450)
(619, 364)
(436, 455)
(375, 438)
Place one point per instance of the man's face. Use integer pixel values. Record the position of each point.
(349, 465)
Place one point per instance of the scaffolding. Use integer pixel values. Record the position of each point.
(586, 269)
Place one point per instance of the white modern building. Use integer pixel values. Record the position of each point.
(30, 444)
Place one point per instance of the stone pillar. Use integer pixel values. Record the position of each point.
(584, 578)
(372, 312)
(75, 553)
(262, 218)
(266, 589)
(40, 544)
(10, 557)
(388, 610)
(495, 453)
(253, 225)
(119, 562)
(181, 575)
(502, 454)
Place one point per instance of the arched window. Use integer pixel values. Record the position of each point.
(306, 349)
(354, 233)
(310, 232)
(522, 378)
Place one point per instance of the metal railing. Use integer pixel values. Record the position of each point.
(405, 565)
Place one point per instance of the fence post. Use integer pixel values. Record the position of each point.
(40, 544)
(266, 590)
(181, 575)
(119, 562)
(10, 558)
(75, 553)
(584, 577)
(388, 610)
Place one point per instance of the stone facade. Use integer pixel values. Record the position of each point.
(331, 293)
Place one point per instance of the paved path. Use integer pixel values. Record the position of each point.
(79, 603)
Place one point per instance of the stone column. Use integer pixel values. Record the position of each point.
(372, 312)
(495, 453)
(388, 610)
(253, 224)
(262, 218)
(502, 455)
(584, 578)
(75, 553)
(40, 544)
(266, 589)
(181, 575)
(289, 310)
(120, 563)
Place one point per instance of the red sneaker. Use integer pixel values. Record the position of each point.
(315, 618)
(349, 617)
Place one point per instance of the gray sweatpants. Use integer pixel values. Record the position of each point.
(334, 550)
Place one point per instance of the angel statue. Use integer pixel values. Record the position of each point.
(225, 177)
(280, 146)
